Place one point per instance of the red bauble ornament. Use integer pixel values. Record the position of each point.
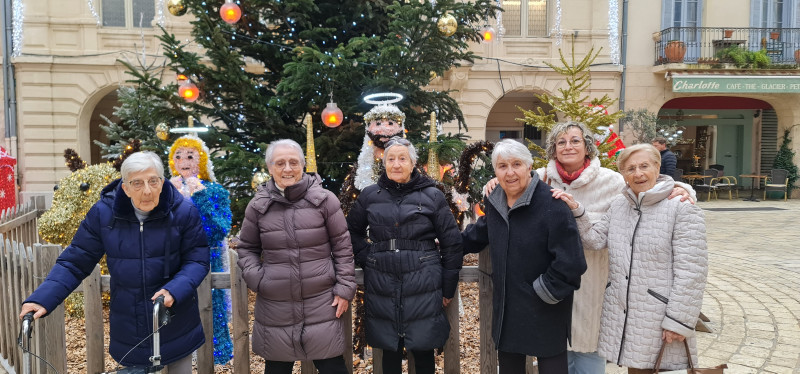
(230, 12)
(332, 116)
(189, 91)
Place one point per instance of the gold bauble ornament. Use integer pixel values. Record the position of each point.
(433, 75)
(258, 178)
(176, 7)
(447, 25)
(162, 131)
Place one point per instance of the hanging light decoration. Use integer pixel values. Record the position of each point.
(230, 12)
(488, 34)
(188, 91)
(181, 78)
(332, 116)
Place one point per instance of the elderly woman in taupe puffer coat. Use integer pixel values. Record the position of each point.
(295, 254)
(657, 266)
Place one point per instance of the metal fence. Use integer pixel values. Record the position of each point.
(704, 44)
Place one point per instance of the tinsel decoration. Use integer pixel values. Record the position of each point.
(74, 162)
(613, 30)
(557, 25)
(18, 14)
(192, 141)
(311, 153)
(498, 16)
(433, 160)
(94, 12)
(465, 163)
(160, 18)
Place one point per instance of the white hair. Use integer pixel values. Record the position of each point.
(402, 142)
(284, 143)
(511, 149)
(141, 161)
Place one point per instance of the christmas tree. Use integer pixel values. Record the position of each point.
(259, 76)
(785, 160)
(574, 105)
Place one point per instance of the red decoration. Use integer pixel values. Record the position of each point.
(615, 141)
(189, 91)
(8, 184)
(488, 34)
(332, 116)
(182, 78)
(230, 12)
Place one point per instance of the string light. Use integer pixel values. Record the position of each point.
(613, 30)
(557, 26)
(91, 9)
(18, 10)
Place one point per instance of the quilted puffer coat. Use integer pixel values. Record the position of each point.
(295, 254)
(537, 262)
(595, 188)
(405, 273)
(657, 274)
(168, 250)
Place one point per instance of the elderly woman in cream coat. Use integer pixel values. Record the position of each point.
(574, 167)
(657, 266)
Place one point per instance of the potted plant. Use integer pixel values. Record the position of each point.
(797, 56)
(728, 33)
(774, 35)
(675, 50)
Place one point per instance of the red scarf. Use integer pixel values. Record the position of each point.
(568, 177)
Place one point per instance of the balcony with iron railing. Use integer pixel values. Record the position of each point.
(714, 45)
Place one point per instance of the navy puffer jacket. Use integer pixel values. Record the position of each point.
(405, 276)
(168, 250)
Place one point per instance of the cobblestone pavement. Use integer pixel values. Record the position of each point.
(753, 291)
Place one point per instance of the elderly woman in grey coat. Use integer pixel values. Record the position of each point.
(295, 254)
(657, 266)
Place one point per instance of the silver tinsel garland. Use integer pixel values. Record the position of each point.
(613, 30)
(16, 33)
(94, 11)
(498, 15)
(557, 26)
(160, 18)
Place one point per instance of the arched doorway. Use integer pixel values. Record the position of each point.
(104, 108)
(738, 133)
(502, 122)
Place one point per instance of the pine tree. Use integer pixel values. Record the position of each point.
(645, 126)
(785, 160)
(572, 104)
(286, 58)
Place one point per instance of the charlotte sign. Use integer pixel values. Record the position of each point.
(735, 84)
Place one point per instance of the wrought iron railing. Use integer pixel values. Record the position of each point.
(705, 44)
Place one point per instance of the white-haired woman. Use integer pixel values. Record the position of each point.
(408, 278)
(574, 167)
(295, 254)
(657, 266)
(537, 262)
(155, 246)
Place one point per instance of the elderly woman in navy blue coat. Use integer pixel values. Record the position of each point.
(537, 263)
(155, 246)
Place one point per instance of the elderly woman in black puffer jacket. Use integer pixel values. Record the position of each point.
(408, 277)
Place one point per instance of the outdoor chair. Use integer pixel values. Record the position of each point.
(778, 180)
(729, 183)
(719, 167)
(710, 182)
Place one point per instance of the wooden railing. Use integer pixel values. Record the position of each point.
(24, 268)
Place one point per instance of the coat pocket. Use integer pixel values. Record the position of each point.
(658, 296)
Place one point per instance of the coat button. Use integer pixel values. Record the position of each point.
(626, 277)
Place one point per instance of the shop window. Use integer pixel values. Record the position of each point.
(128, 13)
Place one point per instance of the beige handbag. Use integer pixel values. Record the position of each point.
(691, 370)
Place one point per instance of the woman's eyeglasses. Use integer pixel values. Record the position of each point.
(138, 184)
(574, 142)
(397, 140)
(630, 170)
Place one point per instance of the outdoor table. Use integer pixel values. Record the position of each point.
(690, 178)
(756, 179)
